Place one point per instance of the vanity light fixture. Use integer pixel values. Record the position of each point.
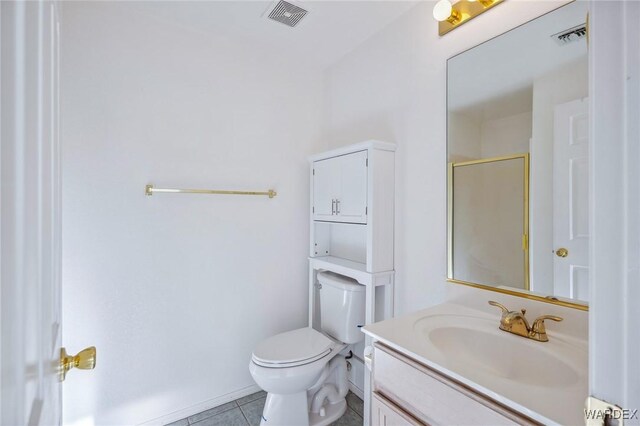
(485, 3)
(443, 11)
(451, 16)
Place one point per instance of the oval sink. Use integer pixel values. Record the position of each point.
(476, 348)
(502, 356)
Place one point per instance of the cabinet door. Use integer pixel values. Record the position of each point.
(352, 200)
(326, 187)
(384, 413)
(434, 398)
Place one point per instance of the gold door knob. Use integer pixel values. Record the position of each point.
(562, 252)
(84, 360)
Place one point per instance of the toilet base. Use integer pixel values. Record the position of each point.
(291, 410)
(332, 413)
(283, 410)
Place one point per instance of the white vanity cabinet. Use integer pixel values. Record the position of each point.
(340, 188)
(386, 413)
(407, 392)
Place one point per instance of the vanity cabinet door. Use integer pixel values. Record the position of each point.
(432, 397)
(340, 188)
(385, 413)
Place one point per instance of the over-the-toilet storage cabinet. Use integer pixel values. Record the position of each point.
(352, 231)
(340, 188)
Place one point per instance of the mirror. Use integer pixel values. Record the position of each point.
(517, 147)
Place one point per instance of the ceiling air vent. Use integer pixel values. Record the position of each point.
(287, 13)
(572, 34)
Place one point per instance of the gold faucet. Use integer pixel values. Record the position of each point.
(516, 323)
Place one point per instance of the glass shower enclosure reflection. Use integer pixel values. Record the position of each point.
(490, 245)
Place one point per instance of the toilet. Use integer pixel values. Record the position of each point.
(304, 371)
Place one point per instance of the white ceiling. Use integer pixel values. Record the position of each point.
(329, 31)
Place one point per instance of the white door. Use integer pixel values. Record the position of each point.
(30, 225)
(326, 188)
(571, 200)
(352, 202)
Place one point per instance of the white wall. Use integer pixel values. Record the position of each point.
(393, 87)
(472, 139)
(175, 290)
(464, 137)
(506, 135)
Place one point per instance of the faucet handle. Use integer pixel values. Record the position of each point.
(504, 309)
(539, 322)
(538, 330)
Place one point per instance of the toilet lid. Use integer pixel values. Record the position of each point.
(297, 347)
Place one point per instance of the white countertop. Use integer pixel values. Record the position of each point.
(548, 405)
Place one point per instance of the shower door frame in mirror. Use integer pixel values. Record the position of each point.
(525, 217)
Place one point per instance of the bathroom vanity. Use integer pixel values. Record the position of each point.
(450, 364)
(517, 240)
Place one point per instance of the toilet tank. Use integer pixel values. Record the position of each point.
(341, 307)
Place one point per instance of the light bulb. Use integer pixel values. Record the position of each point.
(442, 10)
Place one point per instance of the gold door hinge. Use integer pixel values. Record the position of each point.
(525, 242)
(587, 29)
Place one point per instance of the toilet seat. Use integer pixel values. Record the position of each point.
(293, 348)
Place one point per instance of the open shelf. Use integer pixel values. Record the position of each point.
(341, 240)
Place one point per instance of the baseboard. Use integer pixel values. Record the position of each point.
(202, 406)
(359, 392)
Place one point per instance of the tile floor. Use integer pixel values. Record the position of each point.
(247, 411)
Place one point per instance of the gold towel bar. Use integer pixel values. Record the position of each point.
(149, 190)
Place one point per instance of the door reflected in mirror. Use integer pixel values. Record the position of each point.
(518, 160)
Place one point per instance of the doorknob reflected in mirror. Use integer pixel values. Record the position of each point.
(84, 360)
(562, 252)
